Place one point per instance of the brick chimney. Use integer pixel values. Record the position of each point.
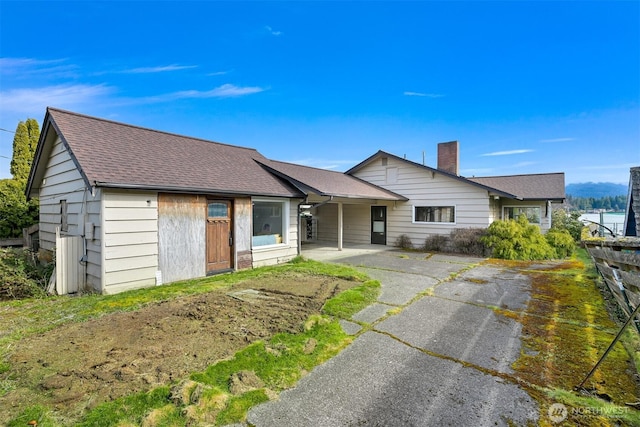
(449, 157)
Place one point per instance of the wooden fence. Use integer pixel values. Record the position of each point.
(618, 261)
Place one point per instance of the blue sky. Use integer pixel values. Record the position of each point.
(525, 87)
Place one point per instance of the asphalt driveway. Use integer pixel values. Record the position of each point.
(442, 358)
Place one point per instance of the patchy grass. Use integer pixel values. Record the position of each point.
(566, 330)
(23, 318)
(279, 362)
(352, 300)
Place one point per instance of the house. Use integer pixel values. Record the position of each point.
(126, 207)
(439, 199)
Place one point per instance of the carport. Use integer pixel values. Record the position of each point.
(345, 208)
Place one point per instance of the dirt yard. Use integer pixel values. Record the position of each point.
(80, 365)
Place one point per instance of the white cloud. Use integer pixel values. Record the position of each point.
(13, 64)
(32, 100)
(218, 73)
(421, 94)
(558, 140)
(31, 66)
(272, 31)
(159, 69)
(507, 153)
(224, 91)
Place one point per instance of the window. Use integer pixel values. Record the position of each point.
(270, 220)
(217, 210)
(64, 217)
(434, 214)
(531, 212)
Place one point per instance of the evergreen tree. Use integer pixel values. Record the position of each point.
(16, 212)
(24, 148)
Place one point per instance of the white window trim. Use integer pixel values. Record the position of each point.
(526, 207)
(413, 214)
(286, 204)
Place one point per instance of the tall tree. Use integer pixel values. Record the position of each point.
(16, 212)
(24, 148)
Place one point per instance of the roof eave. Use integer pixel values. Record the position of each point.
(189, 190)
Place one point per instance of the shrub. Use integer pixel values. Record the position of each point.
(561, 220)
(517, 239)
(468, 241)
(20, 275)
(403, 241)
(561, 241)
(436, 243)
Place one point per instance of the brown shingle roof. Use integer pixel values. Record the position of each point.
(544, 186)
(121, 155)
(329, 183)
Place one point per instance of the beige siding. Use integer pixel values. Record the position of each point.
(356, 223)
(424, 188)
(280, 253)
(62, 181)
(326, 217)
(130, 240)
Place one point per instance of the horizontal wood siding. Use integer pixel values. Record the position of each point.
(356, 224)
(326, 217)
(130, 240)
(181, 236)
(424, 188)
(63, 181)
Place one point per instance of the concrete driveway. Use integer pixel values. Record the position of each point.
(444, 358)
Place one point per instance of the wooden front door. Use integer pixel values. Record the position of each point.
(219, 236)
(378, 225)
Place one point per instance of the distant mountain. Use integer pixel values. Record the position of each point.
(596, 189)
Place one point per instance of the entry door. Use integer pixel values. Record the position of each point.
(219, 237)
(378, 225)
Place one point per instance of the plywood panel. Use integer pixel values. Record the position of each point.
(181, 236)
(242, 218)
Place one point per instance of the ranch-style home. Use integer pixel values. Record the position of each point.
(125, 207)
(440, 200)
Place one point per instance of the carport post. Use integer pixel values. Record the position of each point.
(339, 226)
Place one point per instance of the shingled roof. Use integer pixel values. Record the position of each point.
(112, 154)
(329, 183)
(544, 186)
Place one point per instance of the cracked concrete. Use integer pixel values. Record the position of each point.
(442, 358)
